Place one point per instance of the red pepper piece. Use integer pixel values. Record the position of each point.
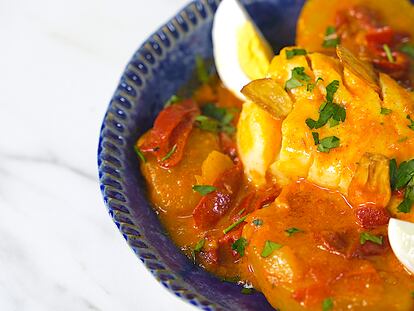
(171, 128)
(371, 216)
(216, 204)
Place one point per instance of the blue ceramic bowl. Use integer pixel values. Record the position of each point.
(161, 66)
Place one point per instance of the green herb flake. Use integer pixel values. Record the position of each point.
(215, 119)
(331, 89)
(297, 79)
(239, 246)
(173, 100)
(405, 173)
(328, 143)
(295, 52)
(199, 246)
(170, 153)
(258, 222)
(408, 49)
(291, 231)
(311, 86)
(140, 154)
(402, 139)
(366, 236)
(202, 73)
(412, 294)
(269, 248)
(393, 173)
(406, 205)
(331, 39)
(327, 304)
(411, 126)
(208, 124)
(247, 291)
(315, 138)
(385, 111)
(234, 225)
(204, 189)
(388, 53)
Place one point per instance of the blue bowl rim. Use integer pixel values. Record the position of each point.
(110, 146)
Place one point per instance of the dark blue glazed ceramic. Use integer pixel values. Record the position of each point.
(162, 66)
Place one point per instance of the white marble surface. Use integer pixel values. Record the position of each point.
(60, 63)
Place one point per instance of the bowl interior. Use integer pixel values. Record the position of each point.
(161, 67)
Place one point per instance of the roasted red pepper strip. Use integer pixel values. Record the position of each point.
(171, 128)
(217, 203)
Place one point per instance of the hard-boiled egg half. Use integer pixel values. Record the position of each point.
(401, 237)
(241, 53)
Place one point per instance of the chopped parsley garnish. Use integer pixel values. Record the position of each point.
(239, 246)
(403, 177)
(315, 138)
(331, 89)
(331, 39)
(408, 49)
(327, 304)
(234, 225)
(311, 86)
(257, 222)
(170, 153)
(328, 143)
(412, 294)
(140, 154)
(388, 53)
(204, 189)
(402, 139)
(247, 291)
(215, 119)
(269, 248)
(385, 111)
(411, 126)
(202, 72)
(366, 236)
(292, 231)
(173, 100)
(328, 110)
(295, 52)
(197, 248)
(297, 79)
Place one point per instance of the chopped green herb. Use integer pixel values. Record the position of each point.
(331, 89)
(247, 291)
(199, 246)
(327, 304)
(404, 174)
(269, 248)
(298, 77)
(412, 294)
(295, 52)
(241, 211)
(204, 189)
(231, 279)
(408, 49)
(215, 119)
(411, 126)
(331, 39)
(202, 72)
(311, 86)
(393, 173)
(366, 236)
(402, 139)
(315, 138)
(257, 222)
(170, 153)
(292, 231)
(173, 100)
(388, 53)
(239, 246)
(385, 111)
(140, 154)
(328, 143)
(234, 225)
(406, 205)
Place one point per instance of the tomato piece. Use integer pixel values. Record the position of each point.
(371, 216)
(217, 203)
(168, 137)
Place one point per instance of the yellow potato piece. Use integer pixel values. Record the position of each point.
(213, 166)
(258, 141)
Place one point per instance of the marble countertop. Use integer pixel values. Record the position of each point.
(60, 63)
